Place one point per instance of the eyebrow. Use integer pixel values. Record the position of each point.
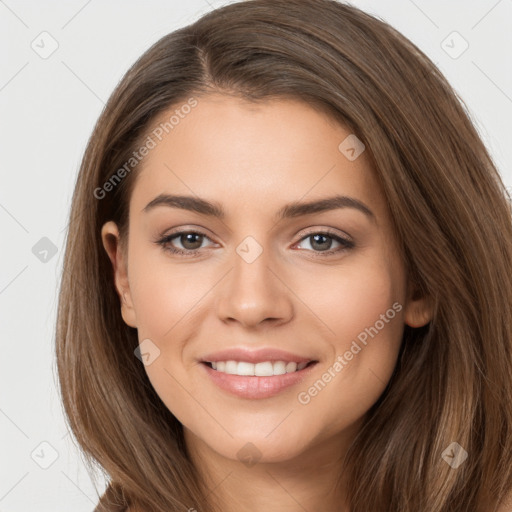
(291, 210)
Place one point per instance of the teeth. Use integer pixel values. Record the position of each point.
(264, 369)
(278, 368)
(242, 368)
(291, 367)
(231, 367)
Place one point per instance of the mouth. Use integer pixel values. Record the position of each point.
(253, 381)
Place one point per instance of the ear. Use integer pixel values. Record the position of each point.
(418, 309)
(111, 243)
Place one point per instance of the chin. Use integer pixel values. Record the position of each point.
(258, 449)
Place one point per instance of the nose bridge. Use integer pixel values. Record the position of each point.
(252, 293)
(251, 267)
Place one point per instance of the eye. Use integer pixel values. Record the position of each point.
(322, 242)
(191, 242)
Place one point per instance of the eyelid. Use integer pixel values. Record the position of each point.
(185, 229)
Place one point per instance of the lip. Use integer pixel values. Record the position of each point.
(252, 387)
(255, 356)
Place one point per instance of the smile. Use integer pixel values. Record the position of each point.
(249, 385)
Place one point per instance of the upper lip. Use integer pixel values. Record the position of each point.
(255, 356)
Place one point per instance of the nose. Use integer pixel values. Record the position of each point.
(254, 293)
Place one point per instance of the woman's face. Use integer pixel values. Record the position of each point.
(274, 272)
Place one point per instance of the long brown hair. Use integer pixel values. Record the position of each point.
(453, 380)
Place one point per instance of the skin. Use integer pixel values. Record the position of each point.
(254, 159)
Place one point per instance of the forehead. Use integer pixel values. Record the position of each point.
(262, 154)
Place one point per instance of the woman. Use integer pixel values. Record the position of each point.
(287, 282)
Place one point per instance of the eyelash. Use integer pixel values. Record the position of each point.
(191, 253)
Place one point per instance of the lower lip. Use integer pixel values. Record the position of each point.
(253, 387)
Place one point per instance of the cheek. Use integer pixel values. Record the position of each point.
(370, 323)
(164, 294)
(169, 300)
(353, 299)
(166, 299)
(365, 310)
(364, 303)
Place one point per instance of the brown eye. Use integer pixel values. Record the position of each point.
(186, 243)
(191, 241)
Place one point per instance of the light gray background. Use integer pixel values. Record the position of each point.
(48, 109)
